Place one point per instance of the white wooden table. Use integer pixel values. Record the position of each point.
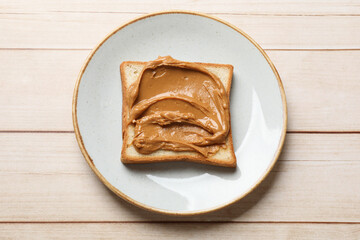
(48, 191)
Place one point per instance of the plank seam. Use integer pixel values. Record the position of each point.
(172, 222)
(213, 13)
(88, 49)
(71, 131)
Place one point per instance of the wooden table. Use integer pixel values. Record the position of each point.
(48, 191)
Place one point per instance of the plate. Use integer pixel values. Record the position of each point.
(258, 113)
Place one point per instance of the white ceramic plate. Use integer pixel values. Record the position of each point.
(258, 113)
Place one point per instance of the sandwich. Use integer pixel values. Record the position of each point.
(176, 111)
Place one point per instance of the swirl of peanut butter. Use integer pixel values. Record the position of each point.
(178, 106)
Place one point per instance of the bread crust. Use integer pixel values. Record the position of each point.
(168, 156)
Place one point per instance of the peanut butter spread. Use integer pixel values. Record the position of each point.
(178, 106)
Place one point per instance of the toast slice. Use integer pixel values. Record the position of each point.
(130, 72)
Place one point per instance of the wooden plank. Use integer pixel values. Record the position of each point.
(46, 179)
(322, 89)
(321, 147)
(36, 89)
(85, 30)
(180, 231)
(211, 6)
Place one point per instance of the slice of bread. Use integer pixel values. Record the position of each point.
(130, 72)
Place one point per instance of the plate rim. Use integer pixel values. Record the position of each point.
(123, 195)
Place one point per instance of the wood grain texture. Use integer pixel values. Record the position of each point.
(36, 89)
(50, 181)
(319, 7)
(47, 191)
(180, 231)
(85, 30)
(322, 89)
